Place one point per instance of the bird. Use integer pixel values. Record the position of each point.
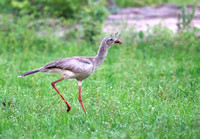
(77, 67)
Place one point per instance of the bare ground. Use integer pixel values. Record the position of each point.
(140, 19)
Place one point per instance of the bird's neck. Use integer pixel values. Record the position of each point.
(102, 52)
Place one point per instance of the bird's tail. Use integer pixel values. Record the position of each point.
(30, 72)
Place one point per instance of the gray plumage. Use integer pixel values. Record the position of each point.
(30, 72)
(77, 67)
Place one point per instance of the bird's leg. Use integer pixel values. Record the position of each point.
(79, 96)
(53, 85)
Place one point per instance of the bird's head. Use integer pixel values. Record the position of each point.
(112, 39)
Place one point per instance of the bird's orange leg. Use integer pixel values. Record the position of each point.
(80, 99)
(53, 85)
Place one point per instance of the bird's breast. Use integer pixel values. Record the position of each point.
(67, 73)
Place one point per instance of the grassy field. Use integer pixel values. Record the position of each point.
(132, 3)
(146, 88)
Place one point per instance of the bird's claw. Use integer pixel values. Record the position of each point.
(69, 108)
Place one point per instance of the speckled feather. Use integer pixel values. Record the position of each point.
(82, 67)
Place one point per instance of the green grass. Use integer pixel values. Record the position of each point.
(144, 89)
(134, 3)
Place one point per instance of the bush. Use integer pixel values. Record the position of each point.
(58, 8)
(91, 14)
(92, 17)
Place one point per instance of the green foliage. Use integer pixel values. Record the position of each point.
(58, 8)
(133, 3)
(92, 17)
(91, 14)
(146, 89)
(185, 18)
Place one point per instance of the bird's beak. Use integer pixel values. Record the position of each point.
(118, 41)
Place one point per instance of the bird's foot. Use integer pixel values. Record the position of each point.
(69, 108)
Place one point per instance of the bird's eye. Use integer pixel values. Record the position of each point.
(111, 39)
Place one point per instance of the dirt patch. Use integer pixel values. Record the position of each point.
(140, 19)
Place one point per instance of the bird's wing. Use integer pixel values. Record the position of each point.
(75, 64)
